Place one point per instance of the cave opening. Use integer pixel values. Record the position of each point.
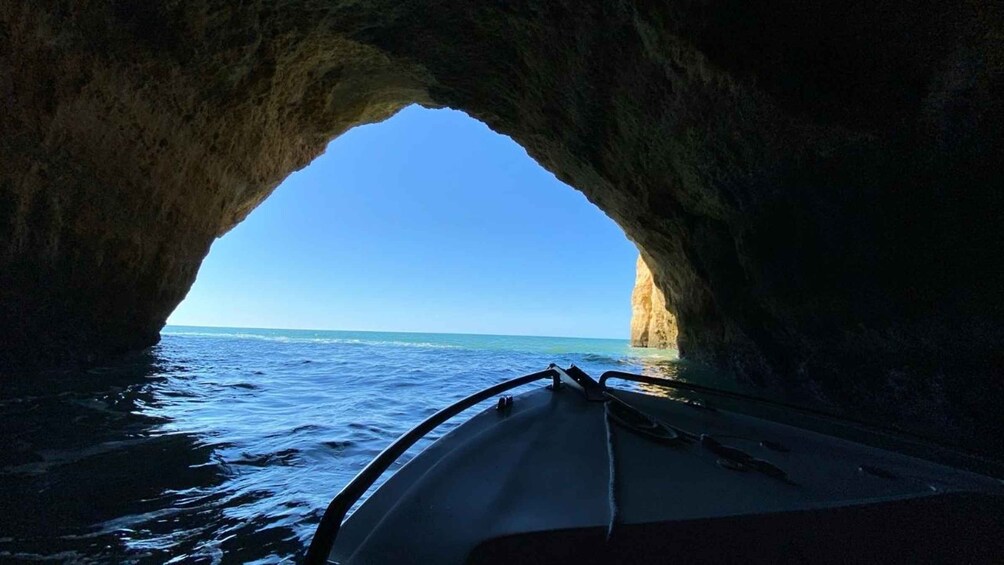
(428, 222)
(816, 191)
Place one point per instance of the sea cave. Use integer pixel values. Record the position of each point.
(815, 189)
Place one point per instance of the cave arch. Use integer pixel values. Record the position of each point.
(428, 222)
(815, 187)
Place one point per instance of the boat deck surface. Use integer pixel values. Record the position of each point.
(553, 479)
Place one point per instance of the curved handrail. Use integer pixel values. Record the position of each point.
(669, 383)
(331, 522)
(956, 457)
(691, 387)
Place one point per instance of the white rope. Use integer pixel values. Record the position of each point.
(612, 485)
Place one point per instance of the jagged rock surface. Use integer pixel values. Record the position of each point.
(817, 186)
(652, 324)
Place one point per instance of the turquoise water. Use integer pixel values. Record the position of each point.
(224, 445)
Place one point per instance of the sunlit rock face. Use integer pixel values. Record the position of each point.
(817, 187)
(652, 324)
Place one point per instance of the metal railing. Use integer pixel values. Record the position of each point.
(331, 521)
(876, 434)
(691, 387)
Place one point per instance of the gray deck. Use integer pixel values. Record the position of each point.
(545, 466)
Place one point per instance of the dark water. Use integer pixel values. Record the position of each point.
(223, 446)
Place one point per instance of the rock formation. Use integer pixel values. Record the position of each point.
(652, 324)
(817, 186)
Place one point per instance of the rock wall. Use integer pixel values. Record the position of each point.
(652, 324)
(817, 187)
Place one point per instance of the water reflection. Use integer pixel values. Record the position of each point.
(667, 368)
(225, 448)
(93, 472)
(675, 369)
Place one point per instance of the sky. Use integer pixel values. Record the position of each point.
(426, 222)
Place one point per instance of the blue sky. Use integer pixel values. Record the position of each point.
(426, 222)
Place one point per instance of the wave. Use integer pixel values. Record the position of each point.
(317, 340)
(604, 359)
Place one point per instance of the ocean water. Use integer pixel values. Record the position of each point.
(225, 445)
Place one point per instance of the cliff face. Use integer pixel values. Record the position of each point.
(817, 188)
(652, 324)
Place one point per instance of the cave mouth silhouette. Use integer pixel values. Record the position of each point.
(425, 222)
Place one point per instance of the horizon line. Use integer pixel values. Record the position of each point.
(395, 332)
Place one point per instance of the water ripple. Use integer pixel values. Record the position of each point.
(225, 445)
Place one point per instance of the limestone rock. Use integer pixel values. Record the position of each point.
(652, 324)
(817, 188)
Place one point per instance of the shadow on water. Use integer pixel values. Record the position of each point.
(91, 473)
